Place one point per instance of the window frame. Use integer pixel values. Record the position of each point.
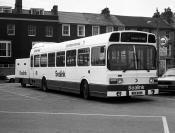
(98, 32)
(108, 27)
(36, 60)
(51, 63)
(93, 57)
(71, 62)
(49, 31)
(31, 30)
(83, 30)
(63, 59)
(11, 29)
(63, 33)
(43, 63)
(85, 52)
(8, 48)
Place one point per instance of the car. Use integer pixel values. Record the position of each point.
(166, 83)
(10, 78)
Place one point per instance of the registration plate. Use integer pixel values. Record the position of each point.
(136, 93)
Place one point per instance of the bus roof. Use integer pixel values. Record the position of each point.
(77, 43)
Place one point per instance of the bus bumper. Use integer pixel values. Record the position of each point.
(123, 90)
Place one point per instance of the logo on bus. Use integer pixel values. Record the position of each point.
(22, 73)
(60, 74)
(136, 87)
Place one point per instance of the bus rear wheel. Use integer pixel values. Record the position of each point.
(44, 85)
(85, 90)
(23, 84)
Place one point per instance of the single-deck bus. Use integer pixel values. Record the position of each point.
(115, 64)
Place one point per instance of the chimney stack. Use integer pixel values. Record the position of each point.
(55, 10)
(18, 6)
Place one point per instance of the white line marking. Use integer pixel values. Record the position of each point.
(79, 114)
(164, 120)
(18, 94)
(165, 125)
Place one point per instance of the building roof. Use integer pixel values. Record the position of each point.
(103, 20)
(146, 22)
(71, 17)
(88, 18)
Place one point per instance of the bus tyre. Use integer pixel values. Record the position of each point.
(85, 90)
(23, 84)
(44, 85)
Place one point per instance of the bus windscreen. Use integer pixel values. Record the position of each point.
(131, 57)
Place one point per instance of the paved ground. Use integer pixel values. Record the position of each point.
(29, 110)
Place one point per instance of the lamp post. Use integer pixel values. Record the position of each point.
(156, 21)
(158, 45)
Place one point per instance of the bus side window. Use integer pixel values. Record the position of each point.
(36, 60)
(43, 60)
(51, 60)
(31, 61)
(71, 58)
(98, 55)
(60, 59)
(83, 57)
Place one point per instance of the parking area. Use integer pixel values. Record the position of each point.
(32, 110)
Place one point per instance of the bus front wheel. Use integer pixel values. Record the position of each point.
(85, 90)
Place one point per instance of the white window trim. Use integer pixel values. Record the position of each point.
(7, 54)
(107, 27)
(83, 30)
(63, 29)
(13, 29)
(95, 26)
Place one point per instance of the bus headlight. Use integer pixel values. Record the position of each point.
(115, 80)
(152, 80)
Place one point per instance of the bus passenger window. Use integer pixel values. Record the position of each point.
(60, 59)
(31, 61)
(83, 57)
(51, 60)
(36, 60)
(98, 55)
(71, 58)
(43, 60)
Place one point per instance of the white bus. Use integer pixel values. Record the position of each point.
(115, 64)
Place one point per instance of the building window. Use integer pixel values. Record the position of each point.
(121, 28)
(5, 49)
(37, 11)
(95, 30)
(81, 30)
(5, 9)
(49, 31)
(31, 30)
(109, 28)
(66, 30)
(11, 29)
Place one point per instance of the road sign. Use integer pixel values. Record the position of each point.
(164, 41)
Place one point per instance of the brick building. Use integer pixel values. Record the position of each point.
(20, 29)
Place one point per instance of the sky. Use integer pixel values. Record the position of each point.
(144, 8)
